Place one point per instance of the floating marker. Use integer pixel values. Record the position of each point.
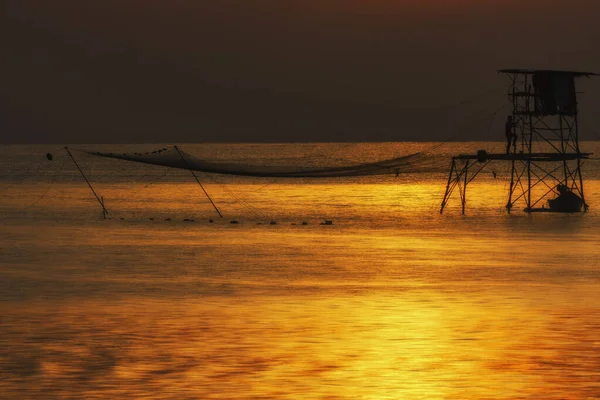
(233, 222)
(49, 156)
(304, 223)
(167, 219)
(210, 221)
(273, 223)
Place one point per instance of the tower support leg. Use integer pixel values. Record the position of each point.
(464, 188)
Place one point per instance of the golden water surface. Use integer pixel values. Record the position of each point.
(392, 301)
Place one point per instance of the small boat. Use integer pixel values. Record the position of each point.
(566, 202)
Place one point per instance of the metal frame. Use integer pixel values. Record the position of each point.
(547, 153)
(533, 181)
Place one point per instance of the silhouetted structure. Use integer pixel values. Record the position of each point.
(542, 145)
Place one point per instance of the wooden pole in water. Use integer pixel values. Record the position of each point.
(448, 188)
(198, 180)
(101, 201)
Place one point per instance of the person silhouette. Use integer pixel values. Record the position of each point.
(511, 137)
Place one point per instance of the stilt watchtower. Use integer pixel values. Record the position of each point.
(542, 145)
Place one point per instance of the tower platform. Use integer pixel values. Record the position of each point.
(542, 145)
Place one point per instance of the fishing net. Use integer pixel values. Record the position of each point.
(176, 158)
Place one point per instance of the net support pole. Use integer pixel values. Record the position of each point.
(449, 188)
(198, 181)
(100, 200)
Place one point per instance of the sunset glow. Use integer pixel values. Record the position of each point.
(300, 199)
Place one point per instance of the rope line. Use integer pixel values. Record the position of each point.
(48, 187)
(238, 199)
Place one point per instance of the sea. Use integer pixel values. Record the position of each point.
(336, 288)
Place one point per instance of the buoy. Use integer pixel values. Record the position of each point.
(49, 156)
(304, 223)
(167, 219)
(327, 222)
(233, 222)
(273, 223)
(151, 219)
(210, 221)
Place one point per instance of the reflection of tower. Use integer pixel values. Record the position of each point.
(542, 145)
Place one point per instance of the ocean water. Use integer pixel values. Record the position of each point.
(391, 301)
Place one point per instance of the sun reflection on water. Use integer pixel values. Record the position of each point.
(396, 344)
